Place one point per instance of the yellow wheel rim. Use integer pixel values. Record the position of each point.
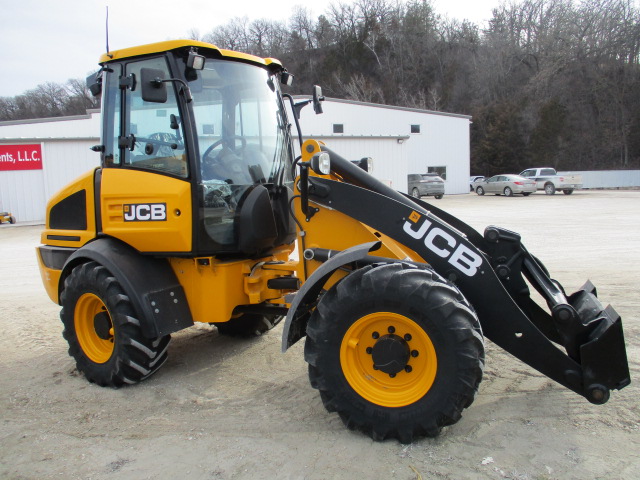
(364, 340)
(98, 347)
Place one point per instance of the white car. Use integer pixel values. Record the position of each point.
(473, 179)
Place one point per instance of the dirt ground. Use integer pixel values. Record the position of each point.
(225, 408)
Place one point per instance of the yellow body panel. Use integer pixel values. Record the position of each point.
(215, 288)
(168, 45)
(172, 234)
(331, 229)
(48, 236)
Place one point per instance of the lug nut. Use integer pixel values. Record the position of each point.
(375, 335)
(392, 375)
(408, 369)
(407, 337)
(391, 329)
(414, 353)
(369, 350)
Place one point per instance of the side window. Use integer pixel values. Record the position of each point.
(527, 173)
(153, 138)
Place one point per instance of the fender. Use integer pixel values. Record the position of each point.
(296, 322)
(149, 282)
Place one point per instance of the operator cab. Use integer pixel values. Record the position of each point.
(218, 123)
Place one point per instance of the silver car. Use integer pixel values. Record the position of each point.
(507, 185)
(421, 184)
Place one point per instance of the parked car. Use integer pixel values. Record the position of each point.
(549, 180)
(473, 179)
(507, 185)
(422, 184)
(7, 217)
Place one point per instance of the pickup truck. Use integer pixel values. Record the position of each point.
(548, 180)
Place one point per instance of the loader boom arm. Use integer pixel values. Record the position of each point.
(490, 271)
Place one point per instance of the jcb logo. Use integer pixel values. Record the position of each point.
(145, 212)
(443, 244)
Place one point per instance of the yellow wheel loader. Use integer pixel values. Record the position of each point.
(198, 205)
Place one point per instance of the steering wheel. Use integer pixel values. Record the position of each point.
(227, 141)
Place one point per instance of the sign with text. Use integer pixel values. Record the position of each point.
(20, 157)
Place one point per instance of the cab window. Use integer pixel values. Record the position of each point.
(153, 137)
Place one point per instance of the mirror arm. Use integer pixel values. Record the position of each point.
(296, 107)
(185, 87)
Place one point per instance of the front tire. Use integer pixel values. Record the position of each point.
(508, 192)
(103, 329)
(415, 193)
(396, 351)
(480, 191)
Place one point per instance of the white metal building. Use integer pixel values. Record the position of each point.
(400, 140)
(38, 157)
(58, 150)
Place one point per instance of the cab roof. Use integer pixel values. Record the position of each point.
(160, 47)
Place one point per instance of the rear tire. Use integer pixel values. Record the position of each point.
(12, 219)
(550, 189)
(568, 191)
(438, 197)
(248, 325)
(526, 194)
(423, 337)
(103, 329)
(480, 191)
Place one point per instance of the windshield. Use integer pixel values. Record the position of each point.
(243, 141)
(241, 132)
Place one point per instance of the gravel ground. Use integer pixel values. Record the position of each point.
(225, 408)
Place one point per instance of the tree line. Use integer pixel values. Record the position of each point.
(547, 82)
(49, 100)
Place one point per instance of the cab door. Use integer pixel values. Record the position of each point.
(145, 185)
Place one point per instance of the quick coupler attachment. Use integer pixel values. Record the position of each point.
(600, 346)
(591, 334)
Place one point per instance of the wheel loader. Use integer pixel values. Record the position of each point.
(194, 214)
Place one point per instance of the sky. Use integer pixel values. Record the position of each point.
(55, 40)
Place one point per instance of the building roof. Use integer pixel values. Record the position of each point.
(393, 107)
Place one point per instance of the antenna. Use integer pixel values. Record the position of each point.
(107, 31)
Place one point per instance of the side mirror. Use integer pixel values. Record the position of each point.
(94, 83)
(317, 98)
(153, 87)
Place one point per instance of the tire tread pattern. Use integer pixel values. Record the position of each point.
(135, 357)
(404, 289)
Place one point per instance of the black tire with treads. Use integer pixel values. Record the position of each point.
(421, 308)
(103, 329)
